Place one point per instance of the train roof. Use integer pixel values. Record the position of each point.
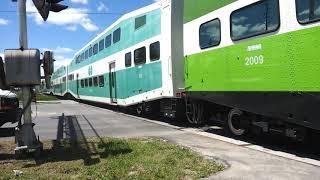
(131, 14)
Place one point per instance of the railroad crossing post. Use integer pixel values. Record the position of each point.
(26, 134)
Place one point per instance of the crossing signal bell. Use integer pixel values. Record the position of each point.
(45, 6)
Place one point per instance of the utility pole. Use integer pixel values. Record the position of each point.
(28, 140)
(23, 70)
(22, 67)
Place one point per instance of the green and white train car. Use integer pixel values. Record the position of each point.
(257, 56)
(59, 82)
(135, 60)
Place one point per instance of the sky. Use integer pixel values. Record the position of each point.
(67, 31)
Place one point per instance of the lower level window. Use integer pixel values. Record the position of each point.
(90, 82)
(95, 81)
(154, 51)
(101, 81)
(140, 56)
(82, 83)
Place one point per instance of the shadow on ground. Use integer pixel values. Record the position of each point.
(72, 144)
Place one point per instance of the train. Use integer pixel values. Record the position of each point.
(251, 64)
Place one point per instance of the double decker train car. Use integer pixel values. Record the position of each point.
(250, 63)
(133, 62)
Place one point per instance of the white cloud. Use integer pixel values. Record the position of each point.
(59, 50)
(80, 1)
(4, 21)
(71, 28)
(102, 7)
(71, 18)
(61, 61)
(2, 55)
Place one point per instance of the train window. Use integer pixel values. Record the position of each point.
(308, 11)
(108, 41)
(256, 19)
(210, 34)
(117, 35)
(95, 81)
(90, 52)
(82, 83)
(87, 54)
(95, 49)
(154, 51)
(82, 57)
(86, 82)
(140, 56)
(77, 59)
(101, 45)
(140, 21)
(128, 59)
(90, 82)
(101, 81)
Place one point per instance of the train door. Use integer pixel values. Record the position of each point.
(113, 82)
(78, 85)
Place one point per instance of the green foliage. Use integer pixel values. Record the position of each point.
(110, 159)
(43, 97)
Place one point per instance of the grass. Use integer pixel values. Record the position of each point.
(109, 158)
(43, 97)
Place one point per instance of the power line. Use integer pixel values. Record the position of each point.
(91, 13)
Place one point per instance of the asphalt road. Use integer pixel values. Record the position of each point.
(245, 160)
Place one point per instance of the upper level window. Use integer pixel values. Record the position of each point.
(82, 57)
(116, 35)
(139, 22)
(90, 52)
(155, 51)
(95, 49)
(128, 59)
(77, 59)
(87, 54)
(308, 11)
(140, 56)
(255, 19)
(210, 34)
(101, 45)
(86, 83)
(108, 41)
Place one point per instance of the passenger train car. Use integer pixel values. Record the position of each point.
(135, 60)
(250, 63)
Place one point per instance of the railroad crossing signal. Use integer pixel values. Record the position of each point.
(45, 6)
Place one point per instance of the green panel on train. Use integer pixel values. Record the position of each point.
(227, 69)
(130, 82)
(196, 8)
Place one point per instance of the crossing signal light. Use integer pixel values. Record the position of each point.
(45, 6)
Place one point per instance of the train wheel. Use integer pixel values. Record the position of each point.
(195, 112)
(234, 122)
(139, 110)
